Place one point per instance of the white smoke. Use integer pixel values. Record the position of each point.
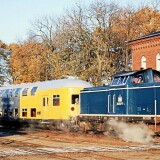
(132, 132)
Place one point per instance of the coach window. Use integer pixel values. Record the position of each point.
(15, 112)
(5, 112)
(75, 99)
(45, 101)
(16, 93)
(6, 93)
(56, 100)
(33, 91)
(33, 112)
(1, 93)
(24, 92)
(24, 112)
(10, 93)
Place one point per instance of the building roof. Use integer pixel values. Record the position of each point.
(153, 34)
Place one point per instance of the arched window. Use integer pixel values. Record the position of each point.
(158, 62)
(143, 62)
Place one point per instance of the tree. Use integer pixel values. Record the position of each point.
(27, 62)
(5, 77)
(147, 20)
(43, 32)
(89, 43)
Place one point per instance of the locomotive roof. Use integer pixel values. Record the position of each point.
(129, 73)
(61, 83)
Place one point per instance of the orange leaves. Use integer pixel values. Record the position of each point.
(147, 20)
(26, 62)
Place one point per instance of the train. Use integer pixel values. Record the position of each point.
(132, 96)
(41, 103)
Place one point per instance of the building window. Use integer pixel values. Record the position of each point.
(158, 62)
(143, 62)
(24, 112)
(56, 100)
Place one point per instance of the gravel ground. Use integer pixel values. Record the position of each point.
(59, 145)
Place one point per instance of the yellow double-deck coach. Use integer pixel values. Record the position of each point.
(45, 102)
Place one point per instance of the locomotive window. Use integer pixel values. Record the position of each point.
(33, 91)
(137, 79)
(119, 81)
(16, 93)
(156, 78)
(75, 99)
(24, 112)
(33, 112)
(56, 100)
(24, 92)
(115, 81)
(124, 80)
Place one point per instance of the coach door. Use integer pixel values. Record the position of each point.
(45, 105)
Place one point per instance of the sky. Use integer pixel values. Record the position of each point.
(16, 15)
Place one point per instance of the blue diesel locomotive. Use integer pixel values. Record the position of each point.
(131, 96)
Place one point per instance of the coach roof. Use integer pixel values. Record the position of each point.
(61, 83)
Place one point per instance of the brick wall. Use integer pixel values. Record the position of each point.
(148, 47)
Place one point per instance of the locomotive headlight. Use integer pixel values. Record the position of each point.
(119, 99)
(72, 108)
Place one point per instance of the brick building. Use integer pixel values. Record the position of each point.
(146, 51)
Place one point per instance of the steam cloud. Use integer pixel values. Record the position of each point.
(132, 132)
